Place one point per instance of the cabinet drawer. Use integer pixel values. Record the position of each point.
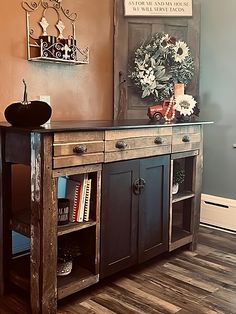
(129, 144)
(77, 148)
(186, 138)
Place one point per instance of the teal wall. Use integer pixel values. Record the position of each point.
(218, 95)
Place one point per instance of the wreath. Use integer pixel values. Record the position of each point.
(159, 64)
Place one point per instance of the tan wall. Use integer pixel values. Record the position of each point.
(77, 92)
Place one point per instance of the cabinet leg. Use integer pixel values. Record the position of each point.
(43, 228)
(5, 233)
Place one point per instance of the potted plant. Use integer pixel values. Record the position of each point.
(178, 178)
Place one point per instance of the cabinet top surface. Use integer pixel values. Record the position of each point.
(98, 125)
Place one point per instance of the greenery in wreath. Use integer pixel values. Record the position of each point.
(159, 64)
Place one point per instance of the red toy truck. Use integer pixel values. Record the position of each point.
(164, 111)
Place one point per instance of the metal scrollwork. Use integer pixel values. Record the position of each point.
(51, 47)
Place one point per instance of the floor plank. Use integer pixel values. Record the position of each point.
(183, 282)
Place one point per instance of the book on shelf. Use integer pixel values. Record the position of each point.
(80, 213)
(87, 200)
(73, 191)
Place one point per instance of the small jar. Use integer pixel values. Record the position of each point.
(63, 206)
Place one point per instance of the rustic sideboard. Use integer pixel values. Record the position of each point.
(133, 214)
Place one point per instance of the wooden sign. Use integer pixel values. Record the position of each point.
(158, 8)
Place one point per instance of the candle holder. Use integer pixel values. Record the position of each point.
(47, 47)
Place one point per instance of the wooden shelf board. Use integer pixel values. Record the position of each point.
(179, 238)
(21, 222)
(79, 279)
(74, 226)
(20, 272)
(182, 196)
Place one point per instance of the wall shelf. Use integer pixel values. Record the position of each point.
(54, 47)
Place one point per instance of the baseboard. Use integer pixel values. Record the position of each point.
(218, 211)
(217, 228)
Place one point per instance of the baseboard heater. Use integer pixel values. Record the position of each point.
(218, 211)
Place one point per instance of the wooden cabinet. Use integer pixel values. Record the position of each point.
(154, 207)
(119, 216)
(185, 205)
(134, 216)
(130, 164)
(36, 271)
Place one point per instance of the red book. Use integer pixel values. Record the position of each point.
(73, 189)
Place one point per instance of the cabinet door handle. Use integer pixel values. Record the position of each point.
(121, 145)
(159, 140)
(186, 139)
(80, 149)
(138, 186)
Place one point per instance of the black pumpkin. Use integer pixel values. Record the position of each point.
(28, 113)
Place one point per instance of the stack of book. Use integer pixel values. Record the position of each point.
(78, 191)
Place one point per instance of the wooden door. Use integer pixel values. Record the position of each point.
(154, 207)
(119, 217)
(130, 33)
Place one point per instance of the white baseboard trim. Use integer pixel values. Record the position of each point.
(218, 211)
(217, 228)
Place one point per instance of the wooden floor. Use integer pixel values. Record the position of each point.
(183, 282)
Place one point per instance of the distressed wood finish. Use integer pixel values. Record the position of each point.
(138, 143)
(48, 160)
(133, 133)
(86, 159)
(67, 148)
(74, 137)
(18, 148)
(65, 143)
(43, 227)
(186, 139)
(5, 210)
(186, 282)
(197, 185)
(137, 153)
(76, 170)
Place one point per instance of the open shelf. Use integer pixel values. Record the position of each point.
(181, 196)
(179, 238)
(74, 226)
(79, 279)
(20, 272)
(182, 204)
(20, 222)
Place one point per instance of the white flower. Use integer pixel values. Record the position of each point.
(185, 104)
(181, 51)
(164, 41)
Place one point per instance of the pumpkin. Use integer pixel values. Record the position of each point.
(28, 113)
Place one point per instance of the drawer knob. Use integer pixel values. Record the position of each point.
(186, 139)
(159, 140)
(80, 149)
(121, 145)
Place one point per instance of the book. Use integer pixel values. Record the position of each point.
(80, 212)
(87, 200)
(73, 189)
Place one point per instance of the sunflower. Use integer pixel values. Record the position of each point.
(185, 104)
(181, 51)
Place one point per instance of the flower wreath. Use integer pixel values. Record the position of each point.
(159, 64)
